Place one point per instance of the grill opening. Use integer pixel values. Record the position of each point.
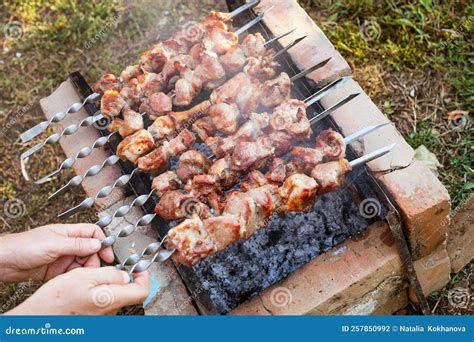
(230, 277)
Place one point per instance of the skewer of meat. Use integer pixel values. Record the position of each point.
(74, 108)
(195, 239)
(127, 149)
(207, 187)
(133, 122)
(115, 99)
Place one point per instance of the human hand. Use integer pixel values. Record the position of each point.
(86, 291)
(45, 252)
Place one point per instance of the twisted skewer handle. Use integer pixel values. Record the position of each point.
(84, 152)
(69, 130)
(145, 264)
(104, 192)
(124, 210)
(42, 126)
(92, 171)
(135, 258)
(127, 230)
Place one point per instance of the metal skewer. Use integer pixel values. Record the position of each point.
(75, 107)
(162, 255)
(94, 170)
(146, 219)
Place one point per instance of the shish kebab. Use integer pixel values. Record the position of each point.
(207, 184)
(142, 141)
(146, 163)
(254, 142)
(245, 212)
(160, 53)
(145, 89)
(133, 120)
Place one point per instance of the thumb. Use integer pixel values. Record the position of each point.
(78, 246)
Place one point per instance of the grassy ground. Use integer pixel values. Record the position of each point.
(414, 59)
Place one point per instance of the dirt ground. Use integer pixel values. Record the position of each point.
(396, 49)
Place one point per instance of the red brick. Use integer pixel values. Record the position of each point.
(424, 204)
(315, 48)
(60, 100)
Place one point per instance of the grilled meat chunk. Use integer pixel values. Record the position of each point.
(331, 144)
(262, 67)
(132, 122)
(130, 72)
(224, 117)
(155, 161)
(150, 83)
(221, 169)
(298, 192)
(162, 127)
(330, 175)
(253, 45)
(204, 128)
(250, 155)
(192, 163)
(290, 116)
(112, 103)
(243, 207)
(252, 180)
(175, 205)
(276, 90)
(234, 60)
(166, 182)
(107, 82)
(305, 159)
(223, 230)
(156, 105)
(135, 145)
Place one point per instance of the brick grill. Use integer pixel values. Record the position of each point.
(420, 198)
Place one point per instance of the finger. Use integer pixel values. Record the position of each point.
(79, 230)
(77, 246)
(132, 293)
(107, 275)
(92, 261)
(107, 254)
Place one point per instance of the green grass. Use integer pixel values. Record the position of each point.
(396, 46)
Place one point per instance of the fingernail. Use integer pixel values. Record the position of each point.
(94, 244)
(126, 277)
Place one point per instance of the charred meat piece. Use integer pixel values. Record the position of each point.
(224, 117)
(227, 93)
(305, 159)
(192, 163)
(132, 93)
(290, 116)
(253, 45)
(130, 72)
(221, 169)
(133, 146)
(175, 205)
(242, 206)
(277, 172)
(252, 180)
(132, 122)
(275, 91)
(154, 59)
(112, 103)
(156, 105)
(330, 175)
(267, 201)
(155, 161)
(234, 60)
(202, 186)
(107, 82)
(281, 142)
(331, 144)
(263, 67)
(298, 193)
(165, 182)
(192, 240)
(250, 155)
(162, 127)
(150, 83)
(204, 128)
(175, 65)
(183, 141)
(224, 230)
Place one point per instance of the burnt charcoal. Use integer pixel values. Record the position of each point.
(245, 268)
